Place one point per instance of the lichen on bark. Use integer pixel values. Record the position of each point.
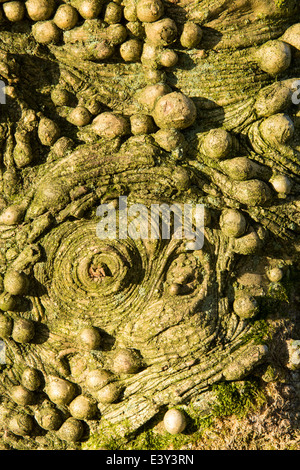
(200, 109)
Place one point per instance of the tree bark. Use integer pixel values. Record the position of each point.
(168, 318)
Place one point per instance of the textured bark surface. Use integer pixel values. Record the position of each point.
(171, 309)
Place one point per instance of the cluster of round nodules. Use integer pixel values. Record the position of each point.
(79, 115)
(22, 330)
(247, 187)
(100, 387)
(103, 384)
(49, 135)
(50, 19)
(163, 114)
(278, 129)
(63, 411)
(22, 424)
(68, 406)
(160, 108)
(161, 32)
(31, 381)
(246, 240)
(62, 393)
(134, 23)
(171, 112)
(106, 124)
(143, 33)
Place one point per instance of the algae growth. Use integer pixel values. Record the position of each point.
(193, 106)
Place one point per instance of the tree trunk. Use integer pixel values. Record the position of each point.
(196, 105)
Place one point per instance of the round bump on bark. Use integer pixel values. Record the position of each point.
(48, 131)
(169, 139)
(126, 361)
(273, 99)
(39, 10)
(15, 283)
(71, 430)
(275, 274)
(110, 125)
(89, 9)
(130, 12)
(240, 168)
(191, 35)
(181, 178)
(141, 124)
(46, 32)
(253, 192)
(79, 116)
(60, 96)
(274, 57)
(62, 146)
(108, 394)
(98, 378)
(174, 421)
(175, 289)
(113, 13)
(174, 110)
(21, 424)
(281, 183)
(12, 215)
(292, 36)
(60, 391)
(162, 32)
(245, 306)
(6, 326)
(14, 11)
(148, 96)
(23, 330)
(154, 76)
(233, 223)
(31, 379)
(278, 128)
(150, 56)
(217, 144)
(293, 347)
(49, 418)
(149, 11)
(52, 195)
(22, 152)
(66, 17)
(102, 50)
(168, 58)
(116, 34)
(7, 302)
(21, 395)
(247, 244)
(89, 338)
(83, 408)
(131, 50)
